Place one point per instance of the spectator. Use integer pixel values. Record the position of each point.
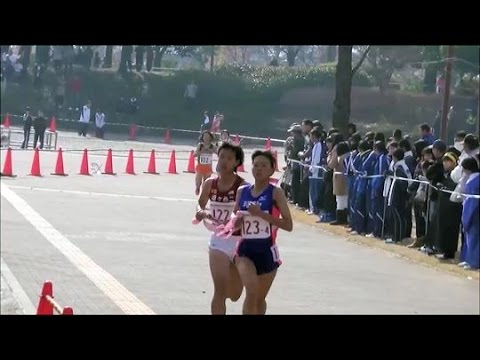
(397, 135)
(377, 199)
(340, 184)
(315, 181)
(448, 214)
(27, 127)
(39, 125)
(415, 189)
(470, 257)
(306, 157)
(459, 137)
(216, 123)
(435, 175)
(84, 119)
(470, 149)
(57, 57)
(426, 134)
(190, 94)
(60, 93)
(353, 144)
(329, 201)
(397, 196)
(408, 154)
(351, 129)
(440, 86)
(99, 124)
(205, 122)
(379, 136)
(363, 166)
(296, 145)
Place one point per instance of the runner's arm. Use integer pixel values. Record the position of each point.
(197, 150)
(285, 222)
(203, 200)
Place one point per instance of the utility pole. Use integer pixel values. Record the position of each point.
(446, 94)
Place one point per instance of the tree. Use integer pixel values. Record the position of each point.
(160, 50)
(382, 61)
(107, 63)
(291, 52)
(331, 53)
(467, 59)
(343, 86)
(431, 57)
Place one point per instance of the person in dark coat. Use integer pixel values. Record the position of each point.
(27, 127)
(449, 212)
(39, 125)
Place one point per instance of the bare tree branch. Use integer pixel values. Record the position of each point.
(364, 55)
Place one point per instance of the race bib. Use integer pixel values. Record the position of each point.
(221, 212)
(254, 227)
(206, 159)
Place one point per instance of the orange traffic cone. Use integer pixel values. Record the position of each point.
(67, 310)
(53, 124)
(191, 163)
(109, 164)
(133, 132)
(129, 169)
(45, 307)
(241, 168)
(152, 169)
(172, 167)
(7, 167)
(167, 136)
(236, 141)
(275, 155)
(268, 144)
(35, 171)
(6, 122)
(84, 167)
(59, 167)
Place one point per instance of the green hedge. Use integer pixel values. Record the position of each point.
(247, 95)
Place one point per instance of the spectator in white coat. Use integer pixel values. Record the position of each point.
(99, 124)
(84, 119)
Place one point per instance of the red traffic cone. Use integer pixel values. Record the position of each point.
(45, 307)
(109, 164)
(59, 167)
(172, 167)
(268, 144)
(7, 166)
(152, 169)
(167, 136)
(129, 169)
(35, 171)
(67, 310)
(191, 163)
(273, 181)
(53, 124)
(240, 169)
(133, 132)
(236, 141)
(275, 155)
(84, 167)
(6, 122)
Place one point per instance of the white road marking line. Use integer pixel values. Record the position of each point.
(18, 293)
(110, 286)
(79, 192)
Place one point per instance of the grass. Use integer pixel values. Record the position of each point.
(400, 250)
